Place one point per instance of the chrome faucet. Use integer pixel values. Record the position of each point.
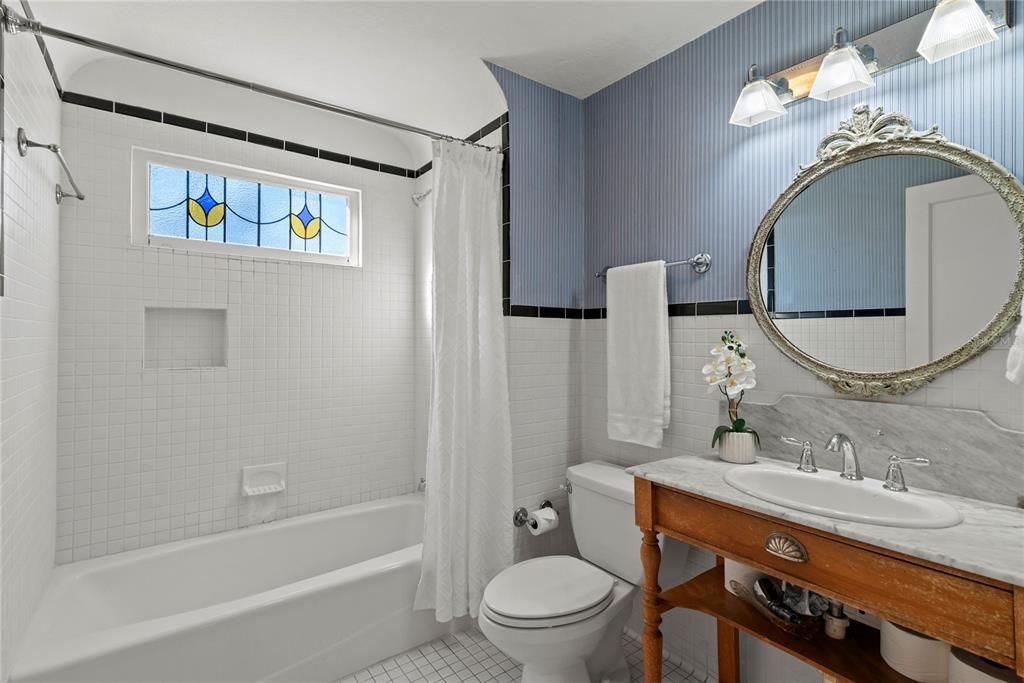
(851, 466)
(894, 474)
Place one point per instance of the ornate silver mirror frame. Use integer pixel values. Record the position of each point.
(872, 133)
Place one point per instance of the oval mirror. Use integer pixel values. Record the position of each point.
(896, 255)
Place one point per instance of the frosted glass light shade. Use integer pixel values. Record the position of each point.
(842, 72)
(758, 102)
(956, 26)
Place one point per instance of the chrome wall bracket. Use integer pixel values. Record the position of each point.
(25, 144)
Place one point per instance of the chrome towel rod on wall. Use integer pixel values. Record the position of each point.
(701, 263)
(24, 145)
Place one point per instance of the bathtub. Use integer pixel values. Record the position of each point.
(310, 598)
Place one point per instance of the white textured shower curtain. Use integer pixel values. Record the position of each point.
(467, 525)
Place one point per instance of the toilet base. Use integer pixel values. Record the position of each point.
(586, 652)
(570, 672)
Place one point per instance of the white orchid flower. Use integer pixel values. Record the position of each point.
(743, 365)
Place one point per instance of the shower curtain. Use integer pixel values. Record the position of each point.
(467, 524)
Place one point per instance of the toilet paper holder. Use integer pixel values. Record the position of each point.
(521, 516)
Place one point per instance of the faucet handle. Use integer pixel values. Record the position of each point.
(894, 473)
(806, 454)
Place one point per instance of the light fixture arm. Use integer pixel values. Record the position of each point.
(841, 39)
(781, 85)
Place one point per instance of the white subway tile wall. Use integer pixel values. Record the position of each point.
(978, 384)
(320, 359)
(874, 344)
(180, 338)
(544, 386)
(28, 344)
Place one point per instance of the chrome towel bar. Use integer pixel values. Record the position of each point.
(24, 145)
(700, 263)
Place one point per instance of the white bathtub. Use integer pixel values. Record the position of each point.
(310, 598)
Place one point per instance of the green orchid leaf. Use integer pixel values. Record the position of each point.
(722, 429)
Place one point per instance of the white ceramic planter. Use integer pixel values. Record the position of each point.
(737, 447)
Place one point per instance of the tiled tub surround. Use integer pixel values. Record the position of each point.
(28, 343)
(319, 358)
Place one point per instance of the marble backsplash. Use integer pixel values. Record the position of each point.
(971, 456)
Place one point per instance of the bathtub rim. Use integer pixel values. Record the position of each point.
(38, 654)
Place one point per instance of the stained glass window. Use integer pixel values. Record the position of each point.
(202, 206)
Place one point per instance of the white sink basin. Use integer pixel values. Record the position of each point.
(825, 493)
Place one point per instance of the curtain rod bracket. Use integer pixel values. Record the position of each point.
(15, 23)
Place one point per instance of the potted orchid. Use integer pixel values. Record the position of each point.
(731, 372)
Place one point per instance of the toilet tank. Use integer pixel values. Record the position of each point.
(604, 524)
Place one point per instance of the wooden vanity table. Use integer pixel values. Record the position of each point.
(685, 498)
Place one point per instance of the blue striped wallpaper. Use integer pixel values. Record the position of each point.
(841, 243)
(667, 176)
(546, 166)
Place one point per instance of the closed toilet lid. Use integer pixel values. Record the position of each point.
(548, 587)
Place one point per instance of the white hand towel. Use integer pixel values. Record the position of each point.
(639, 370)
(1015, 359)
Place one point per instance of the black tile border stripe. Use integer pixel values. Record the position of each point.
(137, 112)
(184, 122)
(87, 101)
(155, 116)
(700, 308)
(225, 131)
(840, 313)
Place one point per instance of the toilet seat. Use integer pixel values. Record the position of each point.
(548, 591)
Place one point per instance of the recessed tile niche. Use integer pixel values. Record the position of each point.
(182, 338)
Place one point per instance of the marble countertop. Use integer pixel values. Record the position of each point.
(989, 542)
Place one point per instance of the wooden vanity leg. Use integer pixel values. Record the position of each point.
(650, 556)
(728, 654)
(728, 648)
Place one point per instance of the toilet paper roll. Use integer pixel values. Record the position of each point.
(742, 575)
(914, 655)
(967, 668)
(542, 521)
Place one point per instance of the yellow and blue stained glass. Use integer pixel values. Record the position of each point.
(211, 208)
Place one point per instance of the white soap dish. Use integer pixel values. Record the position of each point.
(259, 480)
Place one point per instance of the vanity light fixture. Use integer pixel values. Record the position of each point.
(760, 100)
(844, 70)
(955, 26)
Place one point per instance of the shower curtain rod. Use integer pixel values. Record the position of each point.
(15, 23)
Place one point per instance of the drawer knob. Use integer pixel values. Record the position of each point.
(786, 547)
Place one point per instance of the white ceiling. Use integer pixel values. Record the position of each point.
(417, 62)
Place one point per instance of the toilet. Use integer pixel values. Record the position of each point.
(562, 617)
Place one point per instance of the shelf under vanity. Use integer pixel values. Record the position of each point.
(963, 584)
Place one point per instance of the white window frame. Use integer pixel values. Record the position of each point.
(140, 198)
